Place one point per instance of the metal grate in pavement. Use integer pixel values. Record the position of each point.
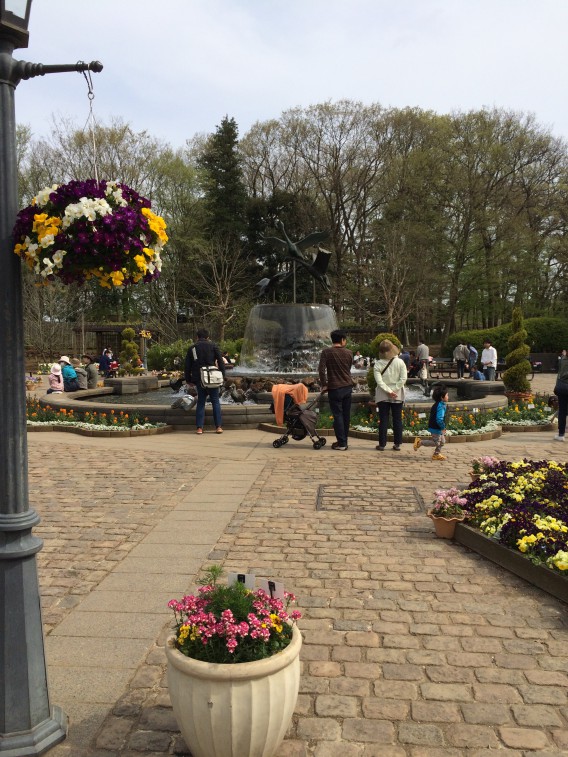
(382, 498)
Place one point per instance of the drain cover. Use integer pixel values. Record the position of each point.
(382, 498)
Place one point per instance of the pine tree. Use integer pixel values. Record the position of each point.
(225, 194)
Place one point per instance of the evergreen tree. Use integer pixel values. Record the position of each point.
(225, 194)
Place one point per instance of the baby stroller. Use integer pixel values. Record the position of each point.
(300, 422)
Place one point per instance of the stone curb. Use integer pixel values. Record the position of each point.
(100, 432)
(514, 429)
(538, 575)
(371, 435)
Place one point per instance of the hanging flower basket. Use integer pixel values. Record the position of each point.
(91, 229)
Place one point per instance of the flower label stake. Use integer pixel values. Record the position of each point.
(91, 229)
(248, 579)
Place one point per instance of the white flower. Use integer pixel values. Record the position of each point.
(47, 241)
(42, 197)
(58, 258)
(48, 270)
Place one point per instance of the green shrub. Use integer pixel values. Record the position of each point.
(161, 357)
(129, 357)
(374, 352)
(543, 335)
(232, 346)
(518, 366)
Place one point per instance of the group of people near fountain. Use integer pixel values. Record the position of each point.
(72, 375)
(390, 373)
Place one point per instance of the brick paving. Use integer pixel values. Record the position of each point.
(413, 646)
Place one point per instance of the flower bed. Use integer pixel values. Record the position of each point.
(91, 423)
(523, 505)
(531, 414)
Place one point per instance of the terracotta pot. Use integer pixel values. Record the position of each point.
(445, 527)
(234, 710)
(516, 396)
(474, 476)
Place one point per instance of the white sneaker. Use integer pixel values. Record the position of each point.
(558, 439)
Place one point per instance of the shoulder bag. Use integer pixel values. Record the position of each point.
(210, 376)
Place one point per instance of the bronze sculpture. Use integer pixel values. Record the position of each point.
(294, 252)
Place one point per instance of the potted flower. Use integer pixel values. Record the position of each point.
(91, 229)
(481, 465)
(32, 382)
(446, 511)
(233, 668)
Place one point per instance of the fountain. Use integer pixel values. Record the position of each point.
(284, 340)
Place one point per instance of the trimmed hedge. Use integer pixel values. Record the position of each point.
(543, 335)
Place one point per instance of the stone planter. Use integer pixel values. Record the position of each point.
(444, 527)
(234, 710)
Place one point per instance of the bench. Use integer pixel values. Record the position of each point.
(443, 367)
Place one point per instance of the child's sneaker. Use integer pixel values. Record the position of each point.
(438, 456)
(417, 443)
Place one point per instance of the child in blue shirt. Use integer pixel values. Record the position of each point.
(436, 423)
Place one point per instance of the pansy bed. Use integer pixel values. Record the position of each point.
(523, 507)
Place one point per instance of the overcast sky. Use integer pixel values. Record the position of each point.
(175, 67)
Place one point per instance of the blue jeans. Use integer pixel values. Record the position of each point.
(489, 373)
(200, 408)
(340, 405)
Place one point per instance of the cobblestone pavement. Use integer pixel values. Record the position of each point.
(413, 646)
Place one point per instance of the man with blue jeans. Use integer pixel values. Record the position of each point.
(489, 360)
(335, 378)
(199, 355)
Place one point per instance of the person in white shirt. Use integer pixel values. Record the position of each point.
(489, 360)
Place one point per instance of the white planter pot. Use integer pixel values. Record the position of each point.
(238, 710)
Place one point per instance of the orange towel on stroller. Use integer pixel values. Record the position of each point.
(298, 392)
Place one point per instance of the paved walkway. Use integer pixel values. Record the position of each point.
(413, 645)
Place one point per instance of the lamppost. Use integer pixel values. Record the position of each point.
(29, 725)
(144, 313)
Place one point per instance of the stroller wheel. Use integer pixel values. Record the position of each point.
(318, 445)
(284, 440)
(323, 441)
(277, 443)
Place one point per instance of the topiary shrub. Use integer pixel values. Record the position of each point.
(518, 366)
(129, 357)
(374, 350)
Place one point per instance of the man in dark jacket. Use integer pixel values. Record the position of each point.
(201, 354)
(335, 378)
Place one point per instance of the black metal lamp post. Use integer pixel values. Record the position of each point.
(29, 725)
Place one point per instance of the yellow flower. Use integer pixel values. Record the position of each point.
(140, 262)
(276, 623)
(117, 278)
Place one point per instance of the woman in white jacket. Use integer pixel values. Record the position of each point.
(390, 375)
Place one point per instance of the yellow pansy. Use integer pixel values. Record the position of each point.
(117, 278)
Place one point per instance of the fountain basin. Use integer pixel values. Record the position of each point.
(235, 416)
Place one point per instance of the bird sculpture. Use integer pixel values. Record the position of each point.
(294, 252)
